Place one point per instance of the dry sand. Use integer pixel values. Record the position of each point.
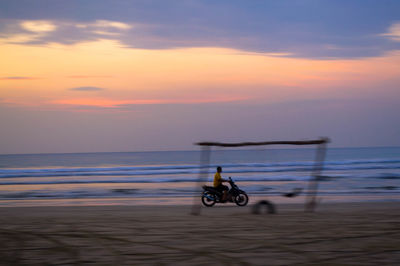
(336, 234)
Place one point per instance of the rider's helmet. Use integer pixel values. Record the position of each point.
(219, 169)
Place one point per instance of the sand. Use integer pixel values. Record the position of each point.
(336, 234)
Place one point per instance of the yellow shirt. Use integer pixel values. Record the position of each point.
(217, 179)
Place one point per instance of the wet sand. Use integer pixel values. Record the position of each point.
(336, 234)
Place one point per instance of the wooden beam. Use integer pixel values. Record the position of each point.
(242, 144)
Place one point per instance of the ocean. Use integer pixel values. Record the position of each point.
(170, 177)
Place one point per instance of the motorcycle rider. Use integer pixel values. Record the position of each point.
(218, 180)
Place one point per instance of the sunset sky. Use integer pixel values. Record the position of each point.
(104, 76)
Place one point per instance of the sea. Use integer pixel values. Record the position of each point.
(173, 177)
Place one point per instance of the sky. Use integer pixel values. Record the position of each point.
(146, 75)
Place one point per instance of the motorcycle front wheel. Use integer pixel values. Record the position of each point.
(208, 199)
(241, 199)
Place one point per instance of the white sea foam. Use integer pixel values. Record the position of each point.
(239, 168)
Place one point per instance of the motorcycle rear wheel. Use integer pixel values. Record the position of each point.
(208, 199)
(241, 199)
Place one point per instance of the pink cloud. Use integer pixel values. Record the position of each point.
(88, 76)
(106, 103)
(18, 78)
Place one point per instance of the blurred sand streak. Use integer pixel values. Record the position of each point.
(352, 233)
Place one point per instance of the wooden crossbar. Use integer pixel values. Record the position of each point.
(242, 144)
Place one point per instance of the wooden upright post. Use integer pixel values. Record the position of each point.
(202, 178)
(311, 200)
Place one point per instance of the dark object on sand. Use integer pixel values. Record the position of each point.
(294, 193)
(270, 207)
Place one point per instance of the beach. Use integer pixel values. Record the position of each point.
(366, 233)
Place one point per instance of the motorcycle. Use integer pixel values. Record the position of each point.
(211, 196)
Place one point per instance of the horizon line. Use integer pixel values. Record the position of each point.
(194, 150)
